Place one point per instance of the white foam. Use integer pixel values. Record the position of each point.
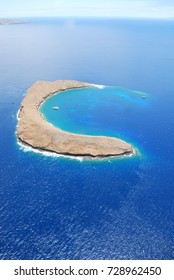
(26, 148)
(99, 86)
(131, 154)
(17, 116)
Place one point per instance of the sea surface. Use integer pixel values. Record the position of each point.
(64, 208)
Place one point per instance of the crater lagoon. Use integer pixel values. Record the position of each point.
(100, 110)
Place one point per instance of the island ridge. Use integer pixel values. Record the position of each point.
(35, 131)
(6, 21)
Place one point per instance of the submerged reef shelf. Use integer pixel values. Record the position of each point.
(35, 131)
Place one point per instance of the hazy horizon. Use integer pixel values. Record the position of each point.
(84, 17)
(92, 8)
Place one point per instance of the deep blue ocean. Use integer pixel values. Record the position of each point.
(64, 208)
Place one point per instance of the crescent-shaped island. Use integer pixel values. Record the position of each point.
(34, 130)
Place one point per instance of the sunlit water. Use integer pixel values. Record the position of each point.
(61, 208)
(107, 110)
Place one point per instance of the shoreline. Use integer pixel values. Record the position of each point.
(27, 148)
(35, 131)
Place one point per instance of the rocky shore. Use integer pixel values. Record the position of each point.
(35, 131)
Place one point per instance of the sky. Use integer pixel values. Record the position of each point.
(86, 8)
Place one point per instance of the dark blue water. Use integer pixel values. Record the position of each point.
(60, 208)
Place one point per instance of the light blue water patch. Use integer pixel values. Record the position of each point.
(109, 111)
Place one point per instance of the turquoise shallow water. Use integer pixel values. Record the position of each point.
(105, 110)
(61, 208)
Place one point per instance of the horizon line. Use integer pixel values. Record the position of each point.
(81, 17)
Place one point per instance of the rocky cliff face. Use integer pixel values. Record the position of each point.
(34, 130)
